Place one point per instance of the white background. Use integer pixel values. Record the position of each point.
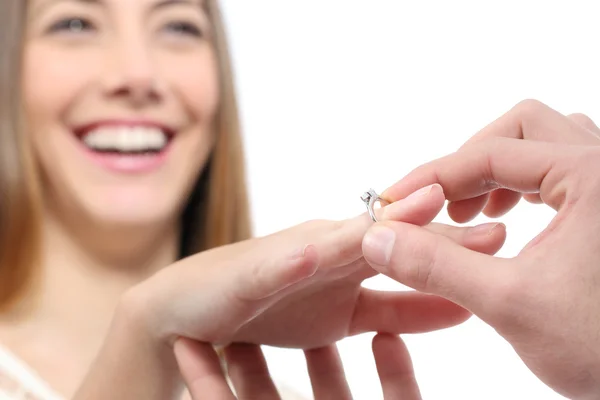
(339, 96)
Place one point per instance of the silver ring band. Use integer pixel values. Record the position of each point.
(370, 198)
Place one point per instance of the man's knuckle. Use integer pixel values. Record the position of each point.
(588, 159)
(583, 120)
(582, 171)
(421, 262)
(529, 108)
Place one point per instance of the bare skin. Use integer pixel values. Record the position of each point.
(545, 300)
(111, 236)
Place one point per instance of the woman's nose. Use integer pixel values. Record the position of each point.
(131, 73)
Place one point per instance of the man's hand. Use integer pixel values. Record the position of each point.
(545, 301)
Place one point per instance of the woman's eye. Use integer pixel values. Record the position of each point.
(184, 28)
(71, 25)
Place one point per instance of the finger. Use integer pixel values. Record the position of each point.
(465, 210)
(523, 166)
(404, 312)
(435, 264)
(419, 208)
(585, 122)
(533, 120)
(533, 198)
(271, 275)
(253, 277)
(485, 238)
(341, 245)
(413, 312)
(493, 204)
(529, 120)
(201, 370)
(249, 372)
(501, 202)
(245, 281)
(395, 368)
(326, 373)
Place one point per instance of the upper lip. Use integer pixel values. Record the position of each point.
(83, 129)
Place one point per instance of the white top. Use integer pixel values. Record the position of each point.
(19, 382)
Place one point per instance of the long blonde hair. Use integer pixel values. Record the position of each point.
(216, 214)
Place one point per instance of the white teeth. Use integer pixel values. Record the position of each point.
(126, 139)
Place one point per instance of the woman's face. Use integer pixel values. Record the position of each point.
(119, 98)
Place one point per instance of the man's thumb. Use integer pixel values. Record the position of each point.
(434, 264)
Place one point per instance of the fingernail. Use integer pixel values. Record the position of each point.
(484, 229)
(423, 192)
(378, 244)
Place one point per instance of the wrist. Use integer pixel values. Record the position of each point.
(142, 310)
(133, 362)
(141, 316)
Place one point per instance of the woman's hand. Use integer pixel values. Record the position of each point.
(300, 287)
(545, 301)
(297, 288)
(250, 377)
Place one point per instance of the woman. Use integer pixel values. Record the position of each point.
(121, 160)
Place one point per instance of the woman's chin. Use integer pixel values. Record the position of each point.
(129, 212)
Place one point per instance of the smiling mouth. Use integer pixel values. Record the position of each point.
(126, 140)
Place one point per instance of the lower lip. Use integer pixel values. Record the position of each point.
(127, 163)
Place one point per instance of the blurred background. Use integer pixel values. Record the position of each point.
(340, 96)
